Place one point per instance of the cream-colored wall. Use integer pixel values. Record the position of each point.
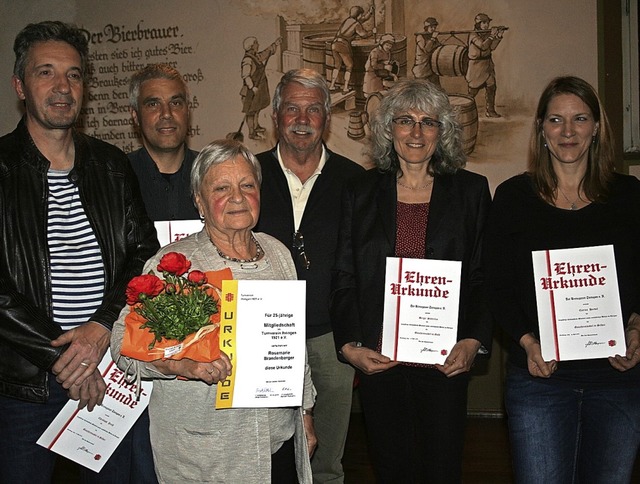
(545, 38)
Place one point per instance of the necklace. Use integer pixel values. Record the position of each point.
(423, 187)
(572, 204)
(259, 253)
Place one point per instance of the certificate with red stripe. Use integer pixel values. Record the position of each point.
(579, 313)
(421, 303)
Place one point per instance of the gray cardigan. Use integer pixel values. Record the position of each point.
(191, 440)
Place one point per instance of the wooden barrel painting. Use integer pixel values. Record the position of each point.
(450, 60)
(356, 126)
(467, 114)
(371, 105)
(313, 51)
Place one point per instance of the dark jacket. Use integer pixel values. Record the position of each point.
(457, 213)
(165, 198)
(111, 199)
(319, 226)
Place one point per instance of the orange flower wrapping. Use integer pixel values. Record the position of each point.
(142, 344)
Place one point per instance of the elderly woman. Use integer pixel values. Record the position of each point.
(193, 442)
(418, 203)
(569, 421)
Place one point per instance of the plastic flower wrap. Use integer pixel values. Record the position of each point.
(176, 316)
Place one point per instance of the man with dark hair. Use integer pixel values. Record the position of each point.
(159, 101)
(302, 182)
(74, 232)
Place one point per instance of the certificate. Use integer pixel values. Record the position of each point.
(262, 330)
(421, 303)
(173, 230)
(89, 438)
(579, 312)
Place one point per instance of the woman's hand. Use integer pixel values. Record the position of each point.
(460, 359)
(310, 432)
(366, 360)
(210, 373)
(632, 356)
(536, 364)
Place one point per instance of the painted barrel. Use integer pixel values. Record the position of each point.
(450, 60)
(467, 114)
(361, 49)
(313, 51)
(356, 126)
(371, 105)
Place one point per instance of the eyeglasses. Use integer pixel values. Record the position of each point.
(298, 244)
(407, 123)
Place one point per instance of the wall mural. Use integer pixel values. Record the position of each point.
(492, 57)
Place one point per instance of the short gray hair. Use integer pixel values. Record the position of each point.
(217, 152)
(424, 96)
(308, 78)
(153, 71)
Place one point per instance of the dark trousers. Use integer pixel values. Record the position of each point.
(415, 419)
(23, 460)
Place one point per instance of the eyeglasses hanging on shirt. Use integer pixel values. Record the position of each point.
(298, 244)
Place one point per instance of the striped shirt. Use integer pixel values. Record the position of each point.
(77, 271)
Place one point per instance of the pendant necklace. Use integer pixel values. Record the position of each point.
(572, 204)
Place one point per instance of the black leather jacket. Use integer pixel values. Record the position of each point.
(111, 198)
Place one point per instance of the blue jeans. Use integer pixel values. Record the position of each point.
(22, 460)
(565, 433)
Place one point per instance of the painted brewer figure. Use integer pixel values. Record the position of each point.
(74, 232)
(426, 43)
(341, 46)
(301, 190)
(379, 66)
(481, 72)
(159, 101)
(255, 87)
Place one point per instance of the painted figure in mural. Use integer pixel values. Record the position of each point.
(481, 71)
(159, 101)
(350, 29)
(579, 420)
(379, 66)
(255, 88)
(74, 232)
(192, 441)
(419, 203)
(426, 43)
(301, 185)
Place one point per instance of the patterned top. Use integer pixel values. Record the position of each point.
(411, 229)
(77, 272)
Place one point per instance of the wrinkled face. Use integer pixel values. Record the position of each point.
(52, 88)
(229, 198)
(162, 115)
(416, 144)
(568, 129)
(302, 119)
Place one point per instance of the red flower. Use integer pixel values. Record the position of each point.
(147, 284)
(174, 263)
(197, 277)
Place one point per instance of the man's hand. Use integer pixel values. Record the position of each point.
(90, 392)
(87, 345)
(310, 432)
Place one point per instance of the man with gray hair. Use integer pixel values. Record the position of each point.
(159, 101)
(302, 182)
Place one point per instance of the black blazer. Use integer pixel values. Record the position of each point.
(457, 213)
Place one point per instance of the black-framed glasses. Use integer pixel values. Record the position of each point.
(298, 244)
(407, 123)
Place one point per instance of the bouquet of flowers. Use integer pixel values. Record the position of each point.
(174, 317)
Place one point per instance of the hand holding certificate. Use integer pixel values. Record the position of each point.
(578, 302)
(422, 298)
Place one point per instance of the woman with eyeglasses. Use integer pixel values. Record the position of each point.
(418, 203)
